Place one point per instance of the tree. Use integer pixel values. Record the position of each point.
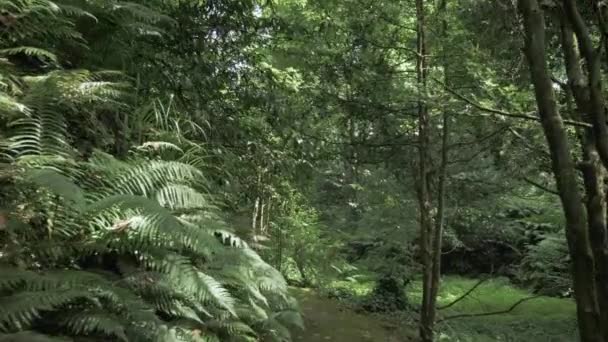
(588, 282)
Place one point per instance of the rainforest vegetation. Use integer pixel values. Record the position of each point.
(303, 170)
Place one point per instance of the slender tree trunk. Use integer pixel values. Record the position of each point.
(594, 173)
(601, 14)
(254, 221)
(427, 312)
(267, 216)
(279, 255)
(262, 215)
(437, 238)
(590, 326)
(594, 177)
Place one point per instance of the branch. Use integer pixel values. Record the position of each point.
(466, 294)
(511, 308)
(527, 144)
(524, 116)
(540, 186)
(480, 140)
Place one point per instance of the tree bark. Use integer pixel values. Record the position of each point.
(594, 173)
(437, 238)
(596, 110)
(565, 174)
(427, 313)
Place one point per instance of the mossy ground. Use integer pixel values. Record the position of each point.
(542, 319)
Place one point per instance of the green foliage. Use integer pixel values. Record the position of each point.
(159, 266)
(131, 131)
(546, 266)
(128, 245)
(303, 247)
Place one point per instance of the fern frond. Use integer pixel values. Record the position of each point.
(140, 12)
(275, 331)
(182, 197)
(30, 51)
(237, 328)
(76, 12)
(40, 134)
(20, 309)
(11, 106)
(159, 146)
(146, 177)
(290, 318)
(219, 294)
(88, 322)
(58, 184)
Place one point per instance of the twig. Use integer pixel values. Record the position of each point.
(511, 308)
(464, 295)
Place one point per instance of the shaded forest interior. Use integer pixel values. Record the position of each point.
(303, 170)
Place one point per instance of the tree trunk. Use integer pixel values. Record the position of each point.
(594, 177)
(427, 313)
(262, 216)
(596, 110)
(254, 220)
(594, 173)
(565, 174)
(437, 238)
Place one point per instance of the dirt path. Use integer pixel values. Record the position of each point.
(326, 320)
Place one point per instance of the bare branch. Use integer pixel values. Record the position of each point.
(501, 312)
(464, 295)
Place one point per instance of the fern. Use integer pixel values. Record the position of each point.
(101, 248)
(30, 51)
(19, 310)
(88, 322)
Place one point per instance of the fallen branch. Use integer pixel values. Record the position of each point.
(516, 304)
(465, 295)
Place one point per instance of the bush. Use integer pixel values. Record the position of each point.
(546, 266)
(388, 296)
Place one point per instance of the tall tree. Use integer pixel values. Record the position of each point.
(564, 169)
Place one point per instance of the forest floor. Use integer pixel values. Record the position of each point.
(541, 319)
(329, 320)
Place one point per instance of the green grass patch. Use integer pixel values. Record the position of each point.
(543, 319)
